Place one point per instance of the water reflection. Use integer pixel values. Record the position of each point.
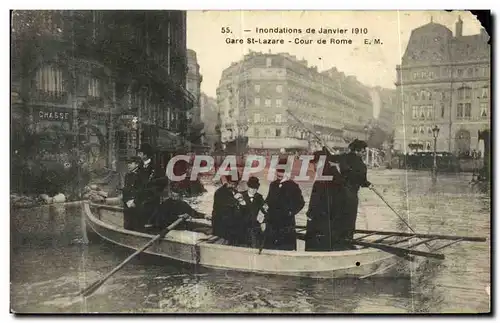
(51, 261)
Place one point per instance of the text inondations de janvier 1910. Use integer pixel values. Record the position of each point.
(301, 36)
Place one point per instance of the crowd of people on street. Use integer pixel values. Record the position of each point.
(241, 216)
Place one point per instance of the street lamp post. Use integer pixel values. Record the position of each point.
(366, 133)
(435, 133)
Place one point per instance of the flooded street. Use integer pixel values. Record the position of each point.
(49, 262)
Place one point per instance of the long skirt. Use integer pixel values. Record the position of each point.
(350, 213)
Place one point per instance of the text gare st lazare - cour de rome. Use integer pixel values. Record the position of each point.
(281, 41)
(290, 31)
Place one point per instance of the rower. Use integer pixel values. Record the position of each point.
(170, 210)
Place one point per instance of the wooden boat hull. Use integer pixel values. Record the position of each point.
(188, 247)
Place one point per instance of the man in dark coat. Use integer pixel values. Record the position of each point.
(284, 200)
(354, 171)
(225, 212)
(325, 212)
(170, 210)
(255, 213)
(130, 191)
(153, 182)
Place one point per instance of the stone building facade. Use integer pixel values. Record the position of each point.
(193, 84)
(255, 94)
(108, 80)
(444, 80)
(209, 117)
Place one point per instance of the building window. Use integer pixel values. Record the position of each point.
(278, 132)
(484, 110)
(94, 88)
(484, 92)
(464, 93)
(414, 130)
(429, 130)
(415, 75)
(430, 112)
(460, 72)
(460, 110)
(267, 103)
(256, 132)
(277, 118)
(467, 112)
(257, 88)
(49, 79)
(421, 130)
(269, 62)
(267, 132)
(278, 103)
(470, 72)
(414, 111)
(279, 88)
(256, 117)
(442, 110)
(422, 112)
(257, 101)
(427, 145)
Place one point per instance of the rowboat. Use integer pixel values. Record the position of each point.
(379, 256)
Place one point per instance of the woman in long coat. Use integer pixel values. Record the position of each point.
(325, 213)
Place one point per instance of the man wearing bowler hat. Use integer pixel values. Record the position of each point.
(256, 211)
(284, 200)
(226, 212)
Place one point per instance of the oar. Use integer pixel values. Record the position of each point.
(95, 286)
(395, 212)
(308, 130)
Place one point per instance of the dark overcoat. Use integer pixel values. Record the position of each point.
(284, 200)
(353, 171)
(152, 182)
(226, 215)
(252, 230)
(130, 191)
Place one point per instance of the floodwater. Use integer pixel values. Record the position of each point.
(49, 263)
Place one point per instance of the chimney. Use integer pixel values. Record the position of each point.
(458, 27)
